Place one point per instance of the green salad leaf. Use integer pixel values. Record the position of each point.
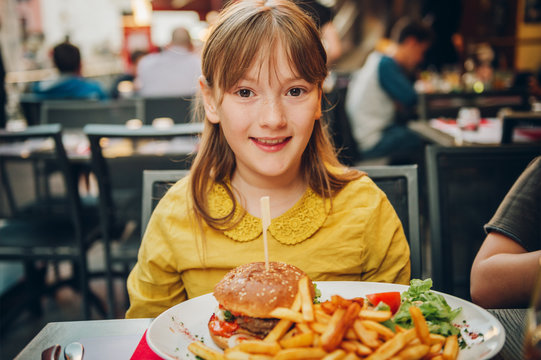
(438, 314)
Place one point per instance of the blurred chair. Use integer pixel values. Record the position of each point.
(465, 187)
(119, 156)
(43, 229)
(31, 108)
(177, 108)
(400, 184)
(75, 114)
(155, 184)
(521, 127)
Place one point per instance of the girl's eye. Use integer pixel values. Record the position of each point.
(295, 92)
(244, 93)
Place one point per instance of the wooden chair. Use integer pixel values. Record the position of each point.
(465, 187)
(119, 156)
(44, 229)
(514, 124)
(400, 184)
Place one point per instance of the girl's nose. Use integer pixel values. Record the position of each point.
(272, 114)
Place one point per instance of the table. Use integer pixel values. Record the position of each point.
(514, 322)
(102, 339)
(114, 339)
(445, 132)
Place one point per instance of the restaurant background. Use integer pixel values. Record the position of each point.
(107, 31)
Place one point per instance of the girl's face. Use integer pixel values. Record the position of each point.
(267, 119)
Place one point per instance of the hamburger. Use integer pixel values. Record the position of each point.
(246, 295)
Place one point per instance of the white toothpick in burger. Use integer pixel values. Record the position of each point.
(246, 295)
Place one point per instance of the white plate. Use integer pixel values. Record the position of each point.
(172, 331)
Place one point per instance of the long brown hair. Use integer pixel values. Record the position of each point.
(247, 29)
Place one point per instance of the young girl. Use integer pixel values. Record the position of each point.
(263, 68)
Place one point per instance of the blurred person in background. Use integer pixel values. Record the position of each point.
(70, 84)
(381, 96)
(174, 71)
(124, 85)
(323, 17)
(504, 270)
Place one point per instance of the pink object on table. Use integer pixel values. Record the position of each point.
(143, 351)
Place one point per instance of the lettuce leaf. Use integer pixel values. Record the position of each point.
(437, 312)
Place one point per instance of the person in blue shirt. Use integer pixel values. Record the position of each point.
(381, 90)
(69, 84)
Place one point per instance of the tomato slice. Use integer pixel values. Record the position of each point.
(392, 299)
(222, 328)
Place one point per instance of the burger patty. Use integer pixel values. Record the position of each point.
(257, 326)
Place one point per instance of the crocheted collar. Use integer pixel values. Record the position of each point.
(292, 227)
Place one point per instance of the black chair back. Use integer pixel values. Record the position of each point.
(489, 103)
(521, 127)
(465, 187)
(155, 184)
(75, 114)
(400, 184)
(180, 109)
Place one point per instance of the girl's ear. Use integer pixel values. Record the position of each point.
(208, 101)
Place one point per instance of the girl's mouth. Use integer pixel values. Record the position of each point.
(274, 144)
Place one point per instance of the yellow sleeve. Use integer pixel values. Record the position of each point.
(155, 283)
(387, 255)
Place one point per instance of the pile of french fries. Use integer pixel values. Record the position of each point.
(338, 329)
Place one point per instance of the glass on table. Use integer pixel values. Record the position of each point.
(532, 336)
(469, 118)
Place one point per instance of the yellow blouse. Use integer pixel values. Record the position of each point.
(359, 238)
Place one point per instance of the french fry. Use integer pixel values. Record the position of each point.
(375, 315)
(278, 331)
(338, 326)
(438, 357)
(300, 340)
(337, 354)
(303, 327)
(435, 349)
(287, 314)
(351, 356)
(328, 307)
(258, 347)
(300, 353)
(321, 316)
(382, 331)
(450, 349)
(291, 333)
(232, 354)
(421, 327)
(202, 350)
(436, 338)
(340, 301)
(356, 347)
(413, 352)
(318, 327)
(307, 305)
(393, 346)
(366, 336)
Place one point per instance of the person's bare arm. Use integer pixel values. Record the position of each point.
(503, 273)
